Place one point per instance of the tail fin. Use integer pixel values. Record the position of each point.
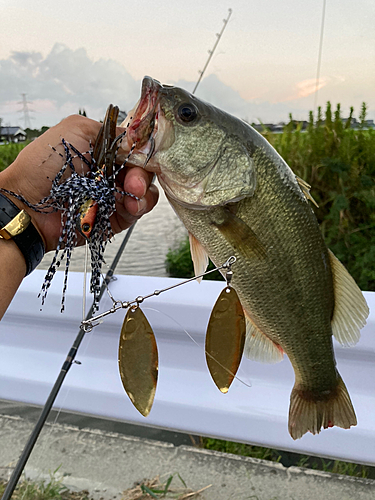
(307, 412)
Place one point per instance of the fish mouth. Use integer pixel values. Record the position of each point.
(142, 122)
(149, 132)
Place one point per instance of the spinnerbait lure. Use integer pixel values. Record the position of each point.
(96, 188)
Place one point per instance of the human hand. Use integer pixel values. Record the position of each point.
(36, 166)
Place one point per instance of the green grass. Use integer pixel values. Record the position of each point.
(9, 152)
(339, 163)
(245, 450)
(337, 467)
(51, 489)
(288, 459)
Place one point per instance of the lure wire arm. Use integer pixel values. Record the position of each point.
(118, 304)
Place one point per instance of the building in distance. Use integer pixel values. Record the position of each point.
(12, 134)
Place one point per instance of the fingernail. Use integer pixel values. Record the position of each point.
(141, 204)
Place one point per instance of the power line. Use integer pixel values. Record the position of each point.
(319, 56)
(211, 52)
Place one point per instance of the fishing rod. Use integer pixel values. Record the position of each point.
(70, 359)
(319, 56)
(211, 52)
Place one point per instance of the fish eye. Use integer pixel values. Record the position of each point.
(86, 227)
(187, 112)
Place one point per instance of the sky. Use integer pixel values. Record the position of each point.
(69, 55)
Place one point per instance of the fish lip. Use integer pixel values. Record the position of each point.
(142, 124)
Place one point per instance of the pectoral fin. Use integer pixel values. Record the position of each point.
(199, 256)
(351, 310)
(241, 237)
(259, 347)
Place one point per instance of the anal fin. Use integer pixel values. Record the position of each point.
(259, 347)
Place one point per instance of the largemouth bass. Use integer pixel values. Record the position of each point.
(237, 196)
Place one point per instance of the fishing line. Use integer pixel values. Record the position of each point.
(40, 451)
(68, 389)
(319, 56)
(197, 344)
(114, 301)
(84, 280)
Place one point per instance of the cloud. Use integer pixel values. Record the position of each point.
(64, 80)
(308, 87)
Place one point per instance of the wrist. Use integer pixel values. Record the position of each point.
(20, 231)
(12, 270)
(10, 180)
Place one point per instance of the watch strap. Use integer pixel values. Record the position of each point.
(29, 240)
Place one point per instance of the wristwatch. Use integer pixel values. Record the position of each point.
(16, 224)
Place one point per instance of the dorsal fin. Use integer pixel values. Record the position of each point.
(199, 256)
(351, 310)
(259, 347)
(306, 190)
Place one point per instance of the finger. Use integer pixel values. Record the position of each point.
(144, 204)
(121, 219)
(128, 210)
(76, 126)
(137, 181)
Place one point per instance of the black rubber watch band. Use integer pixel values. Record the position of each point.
(29, 241)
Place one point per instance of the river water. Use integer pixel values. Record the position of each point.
(154, 234)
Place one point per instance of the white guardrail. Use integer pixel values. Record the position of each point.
(34, 344)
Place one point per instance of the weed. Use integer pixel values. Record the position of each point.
(155, 489)
(336, 466)
(51, 489)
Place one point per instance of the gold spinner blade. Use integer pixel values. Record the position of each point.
(138, 360)
(225, 338)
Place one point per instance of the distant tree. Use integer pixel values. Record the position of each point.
(362, 116)
(82, 112)
(349, 120)
(31, 133)
(44, 129)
